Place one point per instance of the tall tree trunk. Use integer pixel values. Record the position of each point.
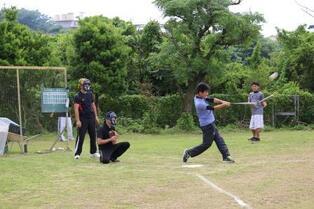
(188, 96)
(188, 100)
(190, 92)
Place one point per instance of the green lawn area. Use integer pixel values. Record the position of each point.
(276, 173)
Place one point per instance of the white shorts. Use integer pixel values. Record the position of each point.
(257, 121)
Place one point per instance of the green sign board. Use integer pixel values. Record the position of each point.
(54, 100)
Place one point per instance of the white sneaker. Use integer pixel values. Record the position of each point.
(76, 157)
(95, 155)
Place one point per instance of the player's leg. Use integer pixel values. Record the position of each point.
(92, 135)
(61, 127)
(69, 129)
(104, 155)
(252, 128)
(259, 125)
(257, 131)
(80, 137)
(208, 132)
(120, 148)
(255, 124)
(222, 147)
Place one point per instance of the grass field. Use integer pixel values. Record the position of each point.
(276, 173)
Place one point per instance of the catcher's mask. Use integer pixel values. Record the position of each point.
(112, 117)
(85, 83)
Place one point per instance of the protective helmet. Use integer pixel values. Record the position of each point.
(85, 83)
(112, 117)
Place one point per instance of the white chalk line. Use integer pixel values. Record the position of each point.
(217, 188)
(192, 165)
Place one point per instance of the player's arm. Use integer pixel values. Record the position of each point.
(77, 115)
(104, 141)
(95, 112)
(94, 109)
(264, 103)
(221, 104)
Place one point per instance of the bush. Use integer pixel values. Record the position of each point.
(130, 106)
(268, 128)
(147, 114)
(301, 127)
(186, 122)
(168, 110)
(129, 125)
(150, 112)
(149, 123)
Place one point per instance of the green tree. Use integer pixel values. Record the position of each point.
(199, 32)
(101, 54)
(255, 59)
(62, 46)
(20, 45)
(297, 57)
(35, 20)
(144, 43)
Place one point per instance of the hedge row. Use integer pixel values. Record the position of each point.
(165, 111)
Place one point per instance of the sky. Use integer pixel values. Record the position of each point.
(284, 14)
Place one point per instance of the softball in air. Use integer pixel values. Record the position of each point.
(273, 76)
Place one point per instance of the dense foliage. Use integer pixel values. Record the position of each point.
(148, 76)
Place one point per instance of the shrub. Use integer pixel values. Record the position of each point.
(186, 122)
(168, 110)
(147, 114)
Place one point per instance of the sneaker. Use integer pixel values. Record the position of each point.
(76, 157)
(185, 156)
(255, 139)
(95, 155)
(251, 139)
(228, 159)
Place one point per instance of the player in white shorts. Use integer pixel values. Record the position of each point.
(257, 120)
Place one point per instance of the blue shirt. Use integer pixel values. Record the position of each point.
(205, 116)
(256, 97)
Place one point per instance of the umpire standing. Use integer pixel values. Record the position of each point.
(86, 118)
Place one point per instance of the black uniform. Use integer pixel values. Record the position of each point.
(110, 151)
(87, 118)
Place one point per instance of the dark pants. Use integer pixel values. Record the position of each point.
(210, 134)
(89, 125)
(112, 151)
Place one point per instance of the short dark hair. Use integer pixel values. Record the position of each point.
(201, 87)
(255, 83)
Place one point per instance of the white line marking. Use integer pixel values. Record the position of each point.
(214, 186)
(192, 166)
